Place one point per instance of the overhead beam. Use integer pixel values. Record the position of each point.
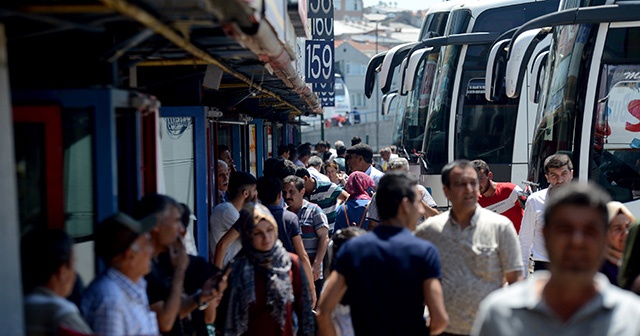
(67, 9)
(156, 63)
(152, 22)
(130, 43)
(51, 20)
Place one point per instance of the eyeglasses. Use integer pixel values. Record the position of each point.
(620, 230)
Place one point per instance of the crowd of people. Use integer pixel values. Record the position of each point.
(326, 243)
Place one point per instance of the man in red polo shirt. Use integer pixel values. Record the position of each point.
(500, 197)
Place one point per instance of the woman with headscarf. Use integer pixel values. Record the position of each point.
(620, 219)
(353, 212)
(266, 293)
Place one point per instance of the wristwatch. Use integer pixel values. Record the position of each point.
(197, 298)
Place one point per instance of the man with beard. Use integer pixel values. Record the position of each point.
(500, 197)
(558, 170)
(242, 190)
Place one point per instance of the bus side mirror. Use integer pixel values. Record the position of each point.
(387, 100)
(413, 68)
(537, 76)
(525, 46)
(496, 67)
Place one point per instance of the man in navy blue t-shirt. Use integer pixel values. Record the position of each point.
(389, 273)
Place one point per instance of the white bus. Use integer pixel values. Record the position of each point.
(461, 123)
(385, 63)
(589, 102)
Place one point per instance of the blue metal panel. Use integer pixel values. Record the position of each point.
(200, 170)
(261, 149)
(104, 102)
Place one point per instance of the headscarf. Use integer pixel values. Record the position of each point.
(275, 264)
(630, 268)
(631, 261)
(359, 185)
(614, 208)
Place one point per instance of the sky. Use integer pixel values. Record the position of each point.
(405, 4)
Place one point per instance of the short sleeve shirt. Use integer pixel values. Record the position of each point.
(474, 261)
(520, 310)
(426, 196)
(288, 226)
(505, 201)
(222, 219)
(326, 197)
(311, 219)
(385, 270)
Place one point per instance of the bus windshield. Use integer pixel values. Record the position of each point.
(484, 130)
(615, 156)
(434, 23)
(559, 101)
(417, 104)
(435, 144)
(397, 135)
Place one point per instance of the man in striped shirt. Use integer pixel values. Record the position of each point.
(313, 225)
(327, 195)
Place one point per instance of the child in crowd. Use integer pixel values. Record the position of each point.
(341, 315)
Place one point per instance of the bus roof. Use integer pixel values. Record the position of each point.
(476, 7)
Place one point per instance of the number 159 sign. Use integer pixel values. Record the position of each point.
(319, 61)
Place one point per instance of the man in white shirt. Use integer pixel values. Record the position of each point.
(360, 158)
(242, 190)
(558, 170)
(315, 164)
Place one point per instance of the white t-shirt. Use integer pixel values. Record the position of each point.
(223, 217)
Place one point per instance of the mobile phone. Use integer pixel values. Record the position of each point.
(218, 276)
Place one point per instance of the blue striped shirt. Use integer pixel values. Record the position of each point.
(115, 305)
(311, 219)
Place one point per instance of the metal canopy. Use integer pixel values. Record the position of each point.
(159, 47)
